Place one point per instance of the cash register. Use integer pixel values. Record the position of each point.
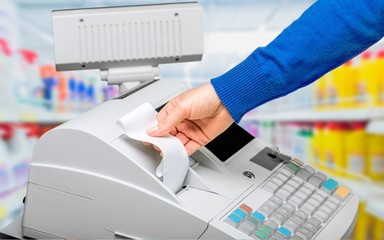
(88, 180)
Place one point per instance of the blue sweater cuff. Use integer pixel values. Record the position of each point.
(248, 86)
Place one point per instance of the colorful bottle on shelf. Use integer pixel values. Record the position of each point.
(5, 177)
(81, 95)
(299, 142)
(374, 81)
(378, 229)
(320, 93)
(302, 148)
(318, 145)
(72, 87)
(31, 71)
(365, 79)
(9, 74)
(90, 93)
(50, 82)
(380, 76)
(364, 223)
(330, 92)
(341, 86)
(334, 147)
(62, 93)
(356, 149)
(21, 155)
(375, 158)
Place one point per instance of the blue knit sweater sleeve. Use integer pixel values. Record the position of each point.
(328, 34)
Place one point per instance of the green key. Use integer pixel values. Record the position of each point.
(266, 229)
(293, 167)
(262, 235)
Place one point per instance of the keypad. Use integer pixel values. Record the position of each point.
(303, 201)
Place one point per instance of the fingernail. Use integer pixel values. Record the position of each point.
(152, 129)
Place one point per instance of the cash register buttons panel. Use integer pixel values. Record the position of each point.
(302, 201)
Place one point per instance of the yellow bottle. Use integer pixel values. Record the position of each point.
(318, 145)
(375, 163)
(363, 226)
(343, 79)
(365, 81)
(331, 97)
(378, 229)
(334, 147)
(374, 81)
(380, 76)
(320, 95)
(356, 149)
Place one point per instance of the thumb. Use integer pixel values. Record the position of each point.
(167, 118)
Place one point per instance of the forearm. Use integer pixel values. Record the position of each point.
(329, 33)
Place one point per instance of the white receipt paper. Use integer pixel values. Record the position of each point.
(175, 163)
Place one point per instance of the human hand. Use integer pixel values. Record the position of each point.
(195, 117)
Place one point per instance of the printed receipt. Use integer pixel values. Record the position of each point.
(174, 165)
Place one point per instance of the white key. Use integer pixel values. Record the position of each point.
(276, 200)
(295, 201)
(286, 172)
(291, 225)
(317, 198)
(247, 227)
(322, 193)
(301, 195)
(282, 177)
(283, 194)
(292, 183)
(266, 210)
(298, 218)
(289, 188)
(310, 186)
(320, 215)
(289, 207)
(302, 236)
(278, 217)
(277, 181)
(271, 187)
(308, 208)
(326, 210)
(314, 202)
(301, 214)
(310, 169)
(330, 205)
(298, 180)
(305, 191)
(334, 201)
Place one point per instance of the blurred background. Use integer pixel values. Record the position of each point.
(336, 123)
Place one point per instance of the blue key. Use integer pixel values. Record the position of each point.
(330, 185)
(258, 216)
(234, 218)
(284, 231)
(240, 213)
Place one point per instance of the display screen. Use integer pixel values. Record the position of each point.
(229, 142)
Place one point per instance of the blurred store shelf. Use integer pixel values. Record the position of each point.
(34, 117)
(376, 126)
(11, 205)
(315, 115)
(370, 192)
(375, 207)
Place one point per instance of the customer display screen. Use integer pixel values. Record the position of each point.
(229, 142)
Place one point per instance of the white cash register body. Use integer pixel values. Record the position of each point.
(89, 181)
